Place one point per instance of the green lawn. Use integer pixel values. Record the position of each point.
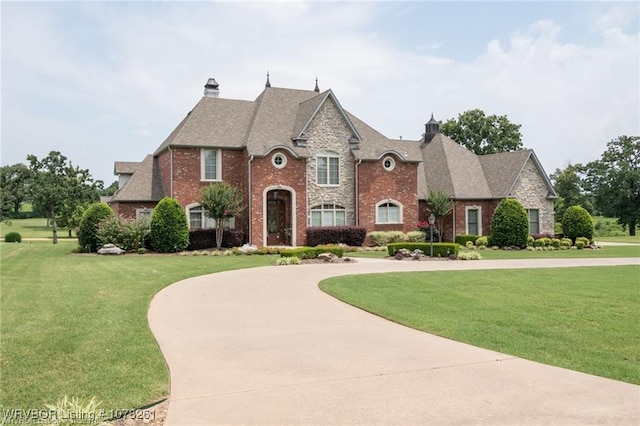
(626, 239)
(609, 251)
(77, 324)
(32, 228)
(584, 319)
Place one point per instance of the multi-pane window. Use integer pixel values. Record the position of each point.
(144, 214)
(328, 215)
(473, 224)
(388, 213)
(210, 164)
(534, 221)
(328, 169)
(199, 219)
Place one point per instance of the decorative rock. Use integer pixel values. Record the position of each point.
(248, 248)
(327, 257)
(110, 249)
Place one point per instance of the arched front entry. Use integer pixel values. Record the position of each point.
(279, 227)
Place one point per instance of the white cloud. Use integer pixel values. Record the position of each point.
(145, 67)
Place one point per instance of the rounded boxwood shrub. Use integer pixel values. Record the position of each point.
(13, 237)
(509, 225)
(169, 228)
(91, 218)
(577, 222)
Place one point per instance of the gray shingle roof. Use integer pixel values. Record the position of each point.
(125, 167)
(213, 122)
(145, 184)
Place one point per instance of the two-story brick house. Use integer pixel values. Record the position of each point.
(301, 160)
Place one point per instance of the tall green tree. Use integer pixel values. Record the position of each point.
(614, 181)
(58, 187)
(221, 201)
(568, 184)
(483, 134)
(440, 205)
(14, 188)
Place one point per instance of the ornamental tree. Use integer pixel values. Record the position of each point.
(440, 205)
(221, 201)
(577, 222)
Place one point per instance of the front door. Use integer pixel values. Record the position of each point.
(276, 223)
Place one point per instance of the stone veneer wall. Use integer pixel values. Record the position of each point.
(531, 190)
(329, 132)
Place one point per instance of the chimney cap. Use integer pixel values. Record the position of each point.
(211, 84)
(432, 120)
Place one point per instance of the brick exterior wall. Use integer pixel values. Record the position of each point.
(265, 175)
(128, 210)
(487, 207)
(531, 190)
(377, 184)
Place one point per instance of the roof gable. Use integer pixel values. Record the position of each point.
(145, 184)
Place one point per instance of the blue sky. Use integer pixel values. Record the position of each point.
(108, 81)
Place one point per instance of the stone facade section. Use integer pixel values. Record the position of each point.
(375, 185)
(329, 132)
(531, 190)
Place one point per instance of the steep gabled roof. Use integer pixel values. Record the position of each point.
(453, 169)
(374, 145)
(213, 122)
(145, 184)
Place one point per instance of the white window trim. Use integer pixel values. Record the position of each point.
(279, 155)
(393, 163)
(400, 213)
(327, 155)
(230, 223)
(336, 208)
(218, 165)
(144, 210)
(529, 219)
(466, 219)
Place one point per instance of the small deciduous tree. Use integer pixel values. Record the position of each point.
(569, 187)
(483, 134)
(221, 201)
(169, 228)
(440, 205)
(57, 186)
(509, 225)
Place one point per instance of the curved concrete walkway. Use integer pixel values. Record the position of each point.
(266, 346)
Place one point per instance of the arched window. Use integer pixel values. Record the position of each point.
(389, 212)
(328, 215)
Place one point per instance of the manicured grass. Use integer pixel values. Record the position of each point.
(76, 325)
(609, 251)
(626, 239)
(584, 319)
(32, 228)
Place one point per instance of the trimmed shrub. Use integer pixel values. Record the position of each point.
(579, 245)
(349, 235)
(311, 252)
(169, 229)
(382, 238)
(566, 242)
(542, 242)
(530, 241)
(555, 243)
(13, 237)
(91, 218)
(482, 241)
(469, 255)
(462, 239)
(291, 260)
(583, 240)
(577, 222)
(416, 236)
(439, 249)
(126, 234)
(200, 239)
(509, 225)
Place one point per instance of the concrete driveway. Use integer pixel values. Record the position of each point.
(266, 346)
